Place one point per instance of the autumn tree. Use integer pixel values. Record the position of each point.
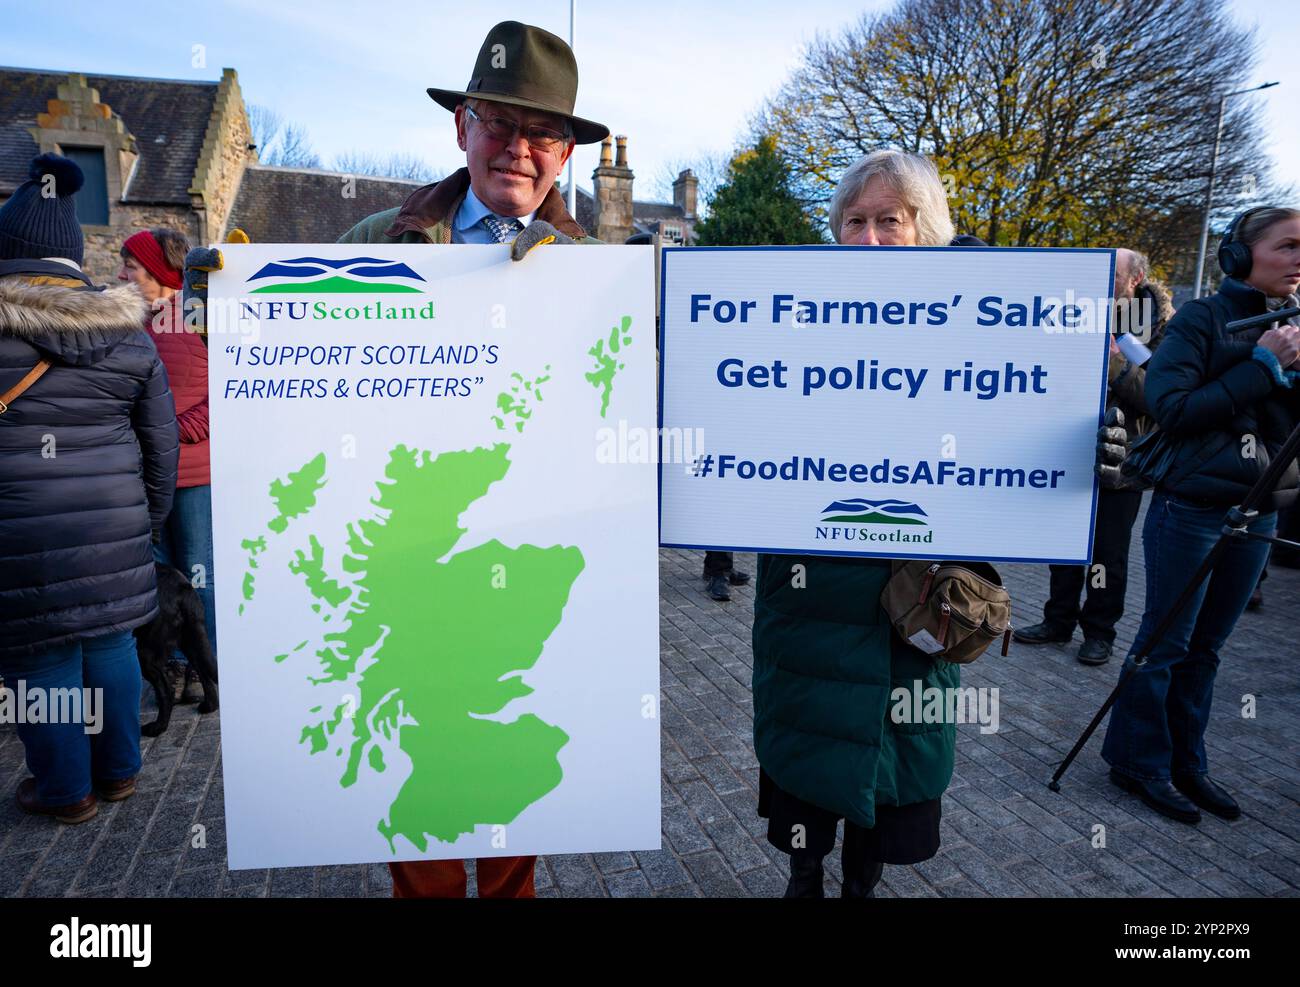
(754, 204)
(1052, 122)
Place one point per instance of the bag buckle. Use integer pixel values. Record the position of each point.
(928, 582)
(945, 614)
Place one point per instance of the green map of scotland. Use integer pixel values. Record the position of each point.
(431, 640)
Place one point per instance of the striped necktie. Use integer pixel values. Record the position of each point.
(503, 229)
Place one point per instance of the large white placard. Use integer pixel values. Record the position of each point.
(899, 402)
(436, 603)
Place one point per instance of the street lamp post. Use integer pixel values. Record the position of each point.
(1209, 189)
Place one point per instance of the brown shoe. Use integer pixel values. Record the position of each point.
(116, 791)
(77, 812)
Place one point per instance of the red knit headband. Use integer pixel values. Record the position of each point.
(144, 248)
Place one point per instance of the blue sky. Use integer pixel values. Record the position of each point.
(679, 78)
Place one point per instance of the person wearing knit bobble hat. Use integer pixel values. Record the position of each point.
(154, 261)
(88, 453)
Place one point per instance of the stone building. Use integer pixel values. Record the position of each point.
(155, 152)
(178, 153)
(310, 205)
(166, 152)
(612, 214)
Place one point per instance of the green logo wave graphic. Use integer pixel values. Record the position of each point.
(874, 517)
(333, 285)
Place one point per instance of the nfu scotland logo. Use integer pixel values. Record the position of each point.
(857, 520)
(319, 275)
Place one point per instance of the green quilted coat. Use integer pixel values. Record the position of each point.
(825, 664)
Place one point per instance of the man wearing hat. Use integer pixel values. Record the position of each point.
(515, 123)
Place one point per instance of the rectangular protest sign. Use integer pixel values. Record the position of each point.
(437, 607)
(898, 402)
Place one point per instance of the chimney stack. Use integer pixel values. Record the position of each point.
(612, 188)
(684, 192)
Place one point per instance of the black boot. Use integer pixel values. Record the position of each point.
(1209, 796)
(1044, 633)
(863, 883)
(1159, 795)
(805, 877)
(717, 589)
(1094, 651)
(861, 875)
(737, 578)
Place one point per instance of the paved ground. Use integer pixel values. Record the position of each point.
(1004, 833)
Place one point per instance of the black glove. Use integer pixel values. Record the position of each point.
(199, 263)
(534, 235)
(1112, 447)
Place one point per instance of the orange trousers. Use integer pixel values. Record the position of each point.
(498, 877)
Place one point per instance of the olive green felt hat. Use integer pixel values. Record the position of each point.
(525, 66)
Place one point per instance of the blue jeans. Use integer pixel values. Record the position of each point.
(1157, 726)
(63, 756)
(186, 543)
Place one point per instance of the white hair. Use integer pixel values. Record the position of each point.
(914, 178)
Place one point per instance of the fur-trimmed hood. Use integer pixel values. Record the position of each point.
(78, 326)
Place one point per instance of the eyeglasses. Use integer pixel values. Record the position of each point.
(505, 129)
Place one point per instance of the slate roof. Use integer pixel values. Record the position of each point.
(302, 205)
(643, 213)
(585, 208)
(648, 211)
(175, 110)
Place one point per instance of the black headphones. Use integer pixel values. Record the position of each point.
(1234, 256)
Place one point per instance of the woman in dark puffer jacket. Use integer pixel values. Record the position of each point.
(1229, 401)
(87, 468)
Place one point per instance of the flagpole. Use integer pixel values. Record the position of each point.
(573, 188)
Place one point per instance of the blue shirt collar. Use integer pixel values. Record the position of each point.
(472, 211)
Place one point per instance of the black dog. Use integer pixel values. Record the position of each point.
(179, 624)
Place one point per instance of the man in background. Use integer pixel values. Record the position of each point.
(1141, 309)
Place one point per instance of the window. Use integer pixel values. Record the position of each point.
(92, 200)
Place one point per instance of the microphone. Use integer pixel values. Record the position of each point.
(1268, 318)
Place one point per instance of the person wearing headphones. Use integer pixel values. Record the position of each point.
(1228, 401)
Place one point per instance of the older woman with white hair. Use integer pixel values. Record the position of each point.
(826, 657)
(891, 198)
